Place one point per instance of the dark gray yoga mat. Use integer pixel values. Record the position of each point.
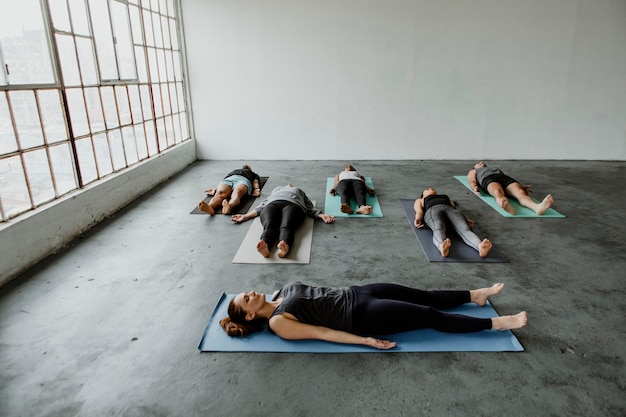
(244, 206)
(459, 251)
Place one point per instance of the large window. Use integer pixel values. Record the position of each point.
(87, 88)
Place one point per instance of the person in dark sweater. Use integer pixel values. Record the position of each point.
(357, 314)
(231, 189)
(434, 209)
(499, 185)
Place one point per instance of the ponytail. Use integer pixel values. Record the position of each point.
(237, 325)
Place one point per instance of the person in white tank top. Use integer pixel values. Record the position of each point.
(350, 184)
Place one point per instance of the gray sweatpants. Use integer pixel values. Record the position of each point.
(435, 218)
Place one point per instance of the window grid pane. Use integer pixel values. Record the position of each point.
(118, 102)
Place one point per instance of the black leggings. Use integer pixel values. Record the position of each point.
(349, 189)
(390, 308)
(280, 220)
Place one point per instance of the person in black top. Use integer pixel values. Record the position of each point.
(231, 189)
(434, 209)
(501, 186)
(357, 313)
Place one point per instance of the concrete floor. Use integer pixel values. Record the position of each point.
(110, 326)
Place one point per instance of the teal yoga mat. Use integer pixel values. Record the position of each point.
(521, 211)
(215, 339)
(332, 204)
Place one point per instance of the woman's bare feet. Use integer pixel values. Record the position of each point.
(444, 248)
(506, 205)
(484, 248)
(262, 248)
(544, 205)
(345, 208)
(283, 249)
(225, 206)
(364, 210)
(206, 208)
(509, 322)
(481, 295)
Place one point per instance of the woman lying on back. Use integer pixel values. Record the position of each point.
(352, 314)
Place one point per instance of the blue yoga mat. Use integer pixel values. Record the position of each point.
(332, 204)
(520, 211)
(215, 339)
(459, 251)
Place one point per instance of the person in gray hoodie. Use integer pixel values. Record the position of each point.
(281, 214)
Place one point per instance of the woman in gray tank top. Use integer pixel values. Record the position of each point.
(354, 314)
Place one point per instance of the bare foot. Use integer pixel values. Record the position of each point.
(544, 205)
(262, 248)
(206, 208)
(481, 295)
(346, 209)
(283, 249)
(225, 206)
(506, 205)
(509, 322)
(364, 210)
(484, 248)
(444, 248)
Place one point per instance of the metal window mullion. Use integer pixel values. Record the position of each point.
(58, 73)
(184, 70)
(145, 54)
(72, 138)
(119, 125)
(46, 145)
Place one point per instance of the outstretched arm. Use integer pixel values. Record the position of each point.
(473, 182)
(419, 212)
(294, 330)
(332, 191)
(238, 218)
(326, 218)
(256, 188)
(369, 190)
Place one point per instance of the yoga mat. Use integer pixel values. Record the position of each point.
(520, 211)
(459, 251)
(333, 203)
(244, 205)
(215, 338)
(299, 253)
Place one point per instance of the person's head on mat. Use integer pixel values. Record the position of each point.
(480, 164)
(349, 167)
(428, 191)
(344, 314)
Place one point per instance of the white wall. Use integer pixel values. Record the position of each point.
(408, 79)
(35, 235)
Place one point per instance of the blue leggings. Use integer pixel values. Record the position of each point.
(390, 308)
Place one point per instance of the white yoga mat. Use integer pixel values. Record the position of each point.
(299, 253)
